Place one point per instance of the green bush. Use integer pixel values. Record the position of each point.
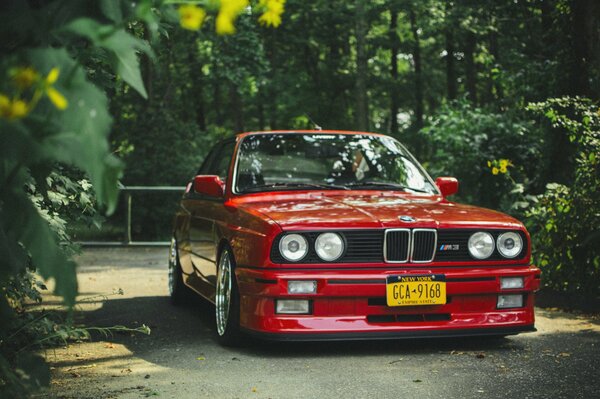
(565, 222)
(460, 141)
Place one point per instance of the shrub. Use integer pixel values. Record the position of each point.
(565, 222)
(460, 141)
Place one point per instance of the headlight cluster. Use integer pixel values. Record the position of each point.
(481, 244)
(328, 246)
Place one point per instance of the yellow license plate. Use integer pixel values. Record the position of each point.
(416, 290)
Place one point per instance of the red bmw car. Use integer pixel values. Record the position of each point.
(313, 235)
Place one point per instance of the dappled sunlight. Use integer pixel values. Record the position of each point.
(555, 321)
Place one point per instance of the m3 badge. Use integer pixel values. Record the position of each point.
(449, 247)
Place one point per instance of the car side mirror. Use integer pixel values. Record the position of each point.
(210, 185)
(447, 185)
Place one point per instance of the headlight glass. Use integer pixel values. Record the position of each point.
(329, 246)
(509, 244)
(481, 245)
(293, 247)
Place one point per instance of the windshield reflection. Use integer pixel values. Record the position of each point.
(292, 161)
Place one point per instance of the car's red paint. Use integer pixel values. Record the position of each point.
(447, 185)
(249, 223)
(209, 185)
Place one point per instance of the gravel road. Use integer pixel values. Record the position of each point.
(181, 359)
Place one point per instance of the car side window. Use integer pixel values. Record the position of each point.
(208, 160)
(219, 165)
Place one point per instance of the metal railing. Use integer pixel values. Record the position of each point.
(127, 239)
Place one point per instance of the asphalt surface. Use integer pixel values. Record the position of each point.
(181, 358)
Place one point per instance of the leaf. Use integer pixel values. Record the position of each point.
(112, 10)
(122, 45)
(34, 370)
(82, 140)
(27, 227)
(13, 258)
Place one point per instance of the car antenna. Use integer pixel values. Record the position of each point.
(317, 127)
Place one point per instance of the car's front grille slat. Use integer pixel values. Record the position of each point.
(397, 244)
(424, 241)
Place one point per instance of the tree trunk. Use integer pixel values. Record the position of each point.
(146, 67)
(197, 87)
(418, 70)
(237, 107)
(394, 49)
(261, 113)
(217, 103)
(470, 68)
(580, 45)
(450, 65)
(497, 89)
(362, 110)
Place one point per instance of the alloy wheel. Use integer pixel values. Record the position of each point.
(172, 266)
(223, 295)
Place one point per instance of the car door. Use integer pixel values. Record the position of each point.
(202, 211)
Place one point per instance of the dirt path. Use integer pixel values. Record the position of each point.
(181, 358)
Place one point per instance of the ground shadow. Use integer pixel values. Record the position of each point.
(193, 323)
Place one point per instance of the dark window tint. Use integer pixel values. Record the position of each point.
(208, 160)
(219, 164)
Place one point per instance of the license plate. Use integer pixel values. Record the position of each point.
(416, 290)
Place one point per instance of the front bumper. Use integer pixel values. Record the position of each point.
(350, 304)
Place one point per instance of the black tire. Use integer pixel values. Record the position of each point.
(227, 321)
(179, 292)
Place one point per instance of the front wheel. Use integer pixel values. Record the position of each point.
(227, 302)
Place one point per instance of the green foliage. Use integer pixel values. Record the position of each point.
(565, 222)
(51, 114)
(461, 139)
(58, 61)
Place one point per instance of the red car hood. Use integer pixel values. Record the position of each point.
(372, 209)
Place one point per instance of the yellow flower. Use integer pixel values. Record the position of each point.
(191, 17)
(4, 103)
(489, 164)
(19, 109)
(54, 95)
(503, 163)
(272, 15)
(224, 25)
(52, 76)
(229, 11)
(270, 19)
(14, 109)
(503, 169)
(24, 78)
(494, 170)
(57, 99)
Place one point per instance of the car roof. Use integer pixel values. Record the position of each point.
(241, 135)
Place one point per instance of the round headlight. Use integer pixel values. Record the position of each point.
(293, 247)
(329, 246)
(509, 244)
(481, 245)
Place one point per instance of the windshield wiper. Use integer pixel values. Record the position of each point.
(384, 184)
(295, 185)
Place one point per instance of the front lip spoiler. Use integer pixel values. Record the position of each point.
(390, 335)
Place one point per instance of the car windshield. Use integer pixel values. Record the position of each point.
(293, 161)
